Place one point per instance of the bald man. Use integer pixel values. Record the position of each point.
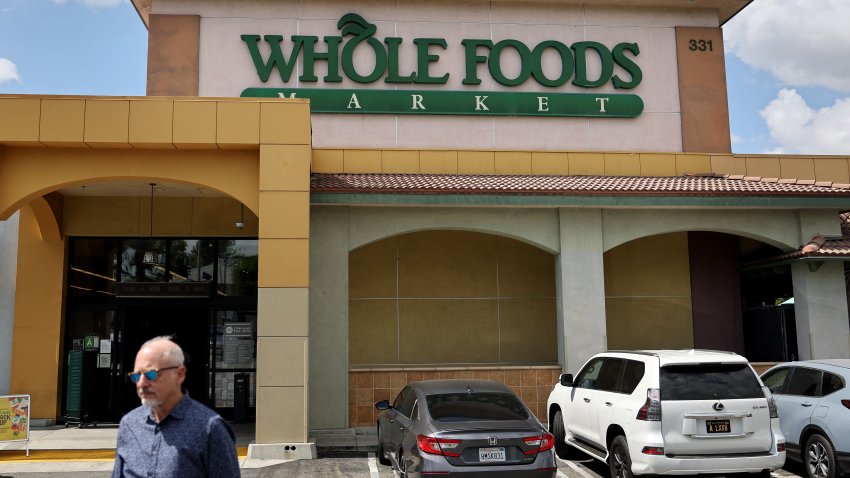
(170, 434)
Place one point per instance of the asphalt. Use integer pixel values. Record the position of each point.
(90, 450)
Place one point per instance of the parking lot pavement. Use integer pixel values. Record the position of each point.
(368, 467)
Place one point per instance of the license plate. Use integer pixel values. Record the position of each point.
(717, 426)
(491, 454)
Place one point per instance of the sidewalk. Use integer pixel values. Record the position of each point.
(56, 448)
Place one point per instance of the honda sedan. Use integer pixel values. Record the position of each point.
(473, 428)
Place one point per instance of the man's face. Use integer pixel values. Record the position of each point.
(167, 384)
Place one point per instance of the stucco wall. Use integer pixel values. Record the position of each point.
(226, 68)
(8, 268)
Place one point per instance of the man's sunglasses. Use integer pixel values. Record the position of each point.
(151, 374)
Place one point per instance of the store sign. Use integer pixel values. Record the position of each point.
(338, 53)
(14, 417)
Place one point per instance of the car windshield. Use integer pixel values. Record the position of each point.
(709, 382)
(465, 407)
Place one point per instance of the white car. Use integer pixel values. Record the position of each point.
(668, 412)
(814, 411)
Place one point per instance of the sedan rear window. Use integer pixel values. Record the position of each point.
(709, 382)
(464, 407)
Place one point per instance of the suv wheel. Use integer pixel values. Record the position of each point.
(563, 450)
(819, 457)
(619, 460)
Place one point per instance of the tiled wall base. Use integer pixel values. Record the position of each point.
(367, 386)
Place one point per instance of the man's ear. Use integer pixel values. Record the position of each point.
(181, 374)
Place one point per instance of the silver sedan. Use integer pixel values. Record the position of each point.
(471, 428)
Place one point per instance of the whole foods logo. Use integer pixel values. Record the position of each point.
(615, 66)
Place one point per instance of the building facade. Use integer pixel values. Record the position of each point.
(325, 200)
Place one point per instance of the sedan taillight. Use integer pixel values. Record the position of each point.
(846, 403)
(437, 446)
(540, 443)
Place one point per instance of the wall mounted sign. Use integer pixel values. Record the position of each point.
(617, 68)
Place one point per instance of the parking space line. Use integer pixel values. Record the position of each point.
(575, 468)
(373, 466)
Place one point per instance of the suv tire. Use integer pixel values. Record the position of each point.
(563, 450)
(619, 460)
(819, 457)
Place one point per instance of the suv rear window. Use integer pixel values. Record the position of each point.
(709, 382)
(463, 407)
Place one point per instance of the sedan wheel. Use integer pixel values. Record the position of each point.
(619, 460)
(820, 457)
(382, 454)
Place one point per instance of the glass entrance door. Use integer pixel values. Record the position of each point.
(190, 328)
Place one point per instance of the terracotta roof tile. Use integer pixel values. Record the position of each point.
(705, 185)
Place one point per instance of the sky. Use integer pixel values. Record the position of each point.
(787, 65)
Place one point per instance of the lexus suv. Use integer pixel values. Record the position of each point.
(665, 412)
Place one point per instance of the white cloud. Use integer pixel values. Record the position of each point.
(801, 42)
(797, 128)
(8, 71)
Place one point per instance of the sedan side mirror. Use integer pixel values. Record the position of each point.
(567, 379)
(383, 405)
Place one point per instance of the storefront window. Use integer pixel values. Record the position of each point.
(237, 268)
(191, 260)
(143, 260)
(92, 267)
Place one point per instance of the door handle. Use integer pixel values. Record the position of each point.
(586, 400)
(608, 404)
(806, 404)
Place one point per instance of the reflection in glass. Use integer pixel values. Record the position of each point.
(237, 267)
(143, 260)
(191, 260)
(92, 267)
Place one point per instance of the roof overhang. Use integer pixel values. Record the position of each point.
(726, 9)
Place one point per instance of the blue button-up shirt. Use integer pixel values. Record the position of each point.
(192, 441)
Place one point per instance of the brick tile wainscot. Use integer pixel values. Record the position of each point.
(366, 386)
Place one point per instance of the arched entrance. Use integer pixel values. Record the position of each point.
(688, 290)
(450, 303)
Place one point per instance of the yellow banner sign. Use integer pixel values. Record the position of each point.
(14, 417)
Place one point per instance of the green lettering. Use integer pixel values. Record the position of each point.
(276, 58)
(425, 58)
(473, 59)
(537, 63)
(392, 63)
(310, 56)
(607, 62)
(494, 62)
(628, 65)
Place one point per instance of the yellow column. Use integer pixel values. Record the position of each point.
(37, 332)
(283, 309)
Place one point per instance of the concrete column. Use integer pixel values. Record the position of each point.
(820, 306)
(283, 303)
(8, 268)
(329, 245)
(580, 287)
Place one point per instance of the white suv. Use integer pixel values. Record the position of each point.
(656, 412)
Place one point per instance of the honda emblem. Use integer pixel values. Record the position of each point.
(492, 441)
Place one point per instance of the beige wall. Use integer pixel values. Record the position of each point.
(172, 216)
(648, 290)
(420, 298)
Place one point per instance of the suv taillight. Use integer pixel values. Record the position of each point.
(437, 446)
(771, 403)
(651, 410)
